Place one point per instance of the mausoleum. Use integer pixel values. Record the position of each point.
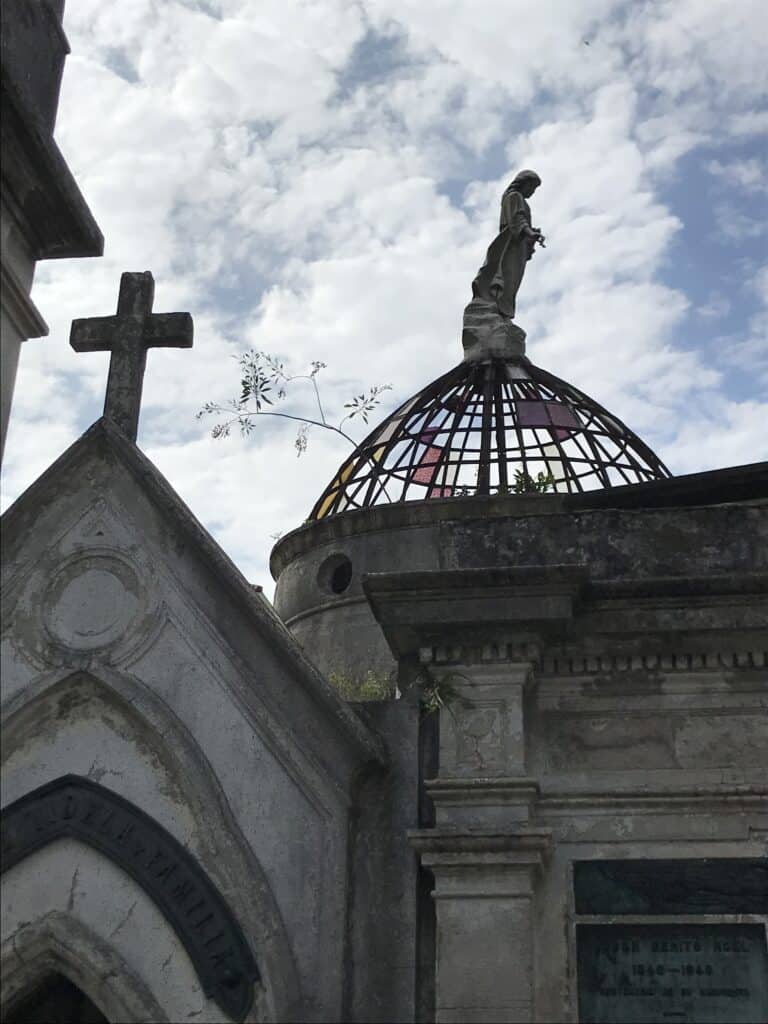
(551, 807)
(498, 752)
(590, 635)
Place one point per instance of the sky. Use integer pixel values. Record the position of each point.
(320, 179)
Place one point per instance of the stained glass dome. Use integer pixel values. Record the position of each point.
(490, 427)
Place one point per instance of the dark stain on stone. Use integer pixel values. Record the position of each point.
(634, 681)
(69, 701)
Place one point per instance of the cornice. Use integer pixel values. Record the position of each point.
(526, 845)
(18, 306)
(39, 188)
(688, 799)
(567, 624)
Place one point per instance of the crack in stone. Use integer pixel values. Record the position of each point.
(124, 921)
(72, 889)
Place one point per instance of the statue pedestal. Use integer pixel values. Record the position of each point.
(489, 335)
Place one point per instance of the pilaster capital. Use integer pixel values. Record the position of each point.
(476, 863)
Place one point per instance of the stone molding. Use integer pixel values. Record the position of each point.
(416, 608)
(504, 652)
(542, 612)
(483, 802)
(75, 615)
(460, 851)
(59, 943)
(684, 661)
(18, 306)
(510, 652)
(39, 188)
(481, 791)
(729, 796)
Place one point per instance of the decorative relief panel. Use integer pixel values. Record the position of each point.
(480, 737)
(92, 601)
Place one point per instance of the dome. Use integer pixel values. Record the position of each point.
(490, 427)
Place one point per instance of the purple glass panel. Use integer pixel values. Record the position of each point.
(547, 414)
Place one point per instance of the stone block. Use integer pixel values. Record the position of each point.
(487, 334)
(483, 735)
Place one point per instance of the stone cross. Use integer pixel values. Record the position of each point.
(127, 336)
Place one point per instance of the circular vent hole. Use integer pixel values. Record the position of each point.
(335, 574)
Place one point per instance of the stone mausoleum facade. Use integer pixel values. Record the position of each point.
(539, 796)
(498, 752)
(590, 821)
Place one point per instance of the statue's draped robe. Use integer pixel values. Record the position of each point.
(499, 277)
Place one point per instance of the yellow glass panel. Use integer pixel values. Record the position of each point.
(323, 510)
(346, 471)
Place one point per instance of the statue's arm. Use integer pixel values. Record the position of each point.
(516, 217)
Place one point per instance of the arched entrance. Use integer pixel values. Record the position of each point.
(54, 1000)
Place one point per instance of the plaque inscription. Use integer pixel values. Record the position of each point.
(76, 807)
(643, 973)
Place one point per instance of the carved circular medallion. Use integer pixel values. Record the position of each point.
(92, 601)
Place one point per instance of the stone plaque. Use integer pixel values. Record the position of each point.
(718, 885)
(643, 973)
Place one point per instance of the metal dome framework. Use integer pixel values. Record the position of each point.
(491, 427)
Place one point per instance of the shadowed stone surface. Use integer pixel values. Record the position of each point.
(487, 334)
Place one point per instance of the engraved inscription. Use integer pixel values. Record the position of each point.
(77, 807)
(637, 974)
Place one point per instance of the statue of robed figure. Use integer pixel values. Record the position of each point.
(499, 278)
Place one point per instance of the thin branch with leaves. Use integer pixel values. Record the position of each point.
(264, 381)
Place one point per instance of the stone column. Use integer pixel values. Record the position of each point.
(484, 885)
(485, 850)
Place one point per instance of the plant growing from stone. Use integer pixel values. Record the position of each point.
(527, 484)
(372, 686)
(265, 382)
(439, 692)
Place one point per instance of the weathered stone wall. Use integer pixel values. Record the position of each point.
(605, 671)
(339, 631)
(136, 656)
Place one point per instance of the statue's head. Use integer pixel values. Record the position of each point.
(526, 183)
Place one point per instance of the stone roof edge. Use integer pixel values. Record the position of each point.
(566, 577)
(428, 609)
(50, 172)
(161, 493)
(747, 483)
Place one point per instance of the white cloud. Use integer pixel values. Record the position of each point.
(736, 225)
(730, 433)
(716, 307)
(750, 174)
